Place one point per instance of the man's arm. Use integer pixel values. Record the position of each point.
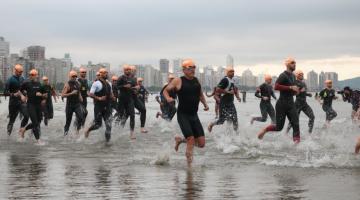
(173, 85)
(65, 91)
(203, 100)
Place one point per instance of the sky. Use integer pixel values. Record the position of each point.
(323, 35)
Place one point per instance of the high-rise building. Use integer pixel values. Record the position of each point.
(229, 61)
(312, 81)
(164, 65)
(248, 79)
(332, 76)
(322, 79)
(177, 69)
(4, 47)
(36, 53)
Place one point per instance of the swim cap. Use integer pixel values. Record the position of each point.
(33, 72)
(188, 63)
(267, 77)
(45, 78)
(298, 73)
(114, 78)
(82, 69)
(328, 81)
(72, 73)
(289, 60)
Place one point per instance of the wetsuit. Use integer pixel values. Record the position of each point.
(266, 108)
(126, 100)
(84, 88)
(33, 105)
(302, 105)
(13, 85)
(47, 108)
(189, 98)
(114, 104)
(227, 107)
(139, 103)
(168, 110)
(73, 105)
(328, 95)
(285, 106)
(353, 98)
(102, 109)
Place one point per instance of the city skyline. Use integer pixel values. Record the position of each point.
(259, 35)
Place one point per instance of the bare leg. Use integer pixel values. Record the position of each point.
(132, 135)
(261, 133)
(178, 141)
(190, 142)
(357, 147)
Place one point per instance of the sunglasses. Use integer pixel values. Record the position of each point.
(190, 67)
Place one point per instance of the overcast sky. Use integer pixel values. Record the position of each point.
(259, 34)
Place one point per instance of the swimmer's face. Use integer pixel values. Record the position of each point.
(46, 81)
(83, 74)
(329, 85)
(268, 81)
(300, 76)
(230, 73)
(189, 70)
(292, 65)
(127, 71)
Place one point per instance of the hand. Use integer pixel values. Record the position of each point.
(295, 89)
(302, 90)
(265, 98)
(170, 99)
(23, 98)
(127, 86)
(103, 98)
(137, 87)
(17, 94)
(206, 107)
(44, 96)
(230, 92)
(74, 92)
(38, 94)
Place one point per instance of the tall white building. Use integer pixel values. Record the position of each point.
(164, 65)
(229, 61)
(248, 79)
(177, 69)
(322, 79)
(332, 76)
(4, 47)
(312, 81)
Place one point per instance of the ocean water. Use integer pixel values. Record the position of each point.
(233, 165)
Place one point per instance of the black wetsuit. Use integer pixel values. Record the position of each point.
(73, 105)
(139, 103)
(266, 108)
(47, 109)
(114, 104)
(285, 106)
(227, 107)
(13, 85)
(328, 95)
(126, 101)
(84, 88)
(33, 105)
(302, 105)
(189, 98)
(168, 110)
(353, 98)
(102, 109)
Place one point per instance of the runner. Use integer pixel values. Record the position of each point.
(189, 93)
(300, 102)
(353, 97)
(46, 104)
(84, 91)
(265, 92)
(168, 110)
(125, 84)
(285, 106)
(101, 92)
(73, 97)
(114, 103)
(35, 94)
(17, 101)
(327, 96)
(217, 101)
(227, 89)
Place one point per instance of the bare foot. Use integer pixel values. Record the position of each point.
(86, 134)
(143, 130)
(22, 132)
(158, 114)
(189, 157)
(210, 127)
(178, 141)
(296, 140)
(357, 147)
(132, 136)
(261, 134)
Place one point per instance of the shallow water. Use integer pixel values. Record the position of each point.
(232, 165)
